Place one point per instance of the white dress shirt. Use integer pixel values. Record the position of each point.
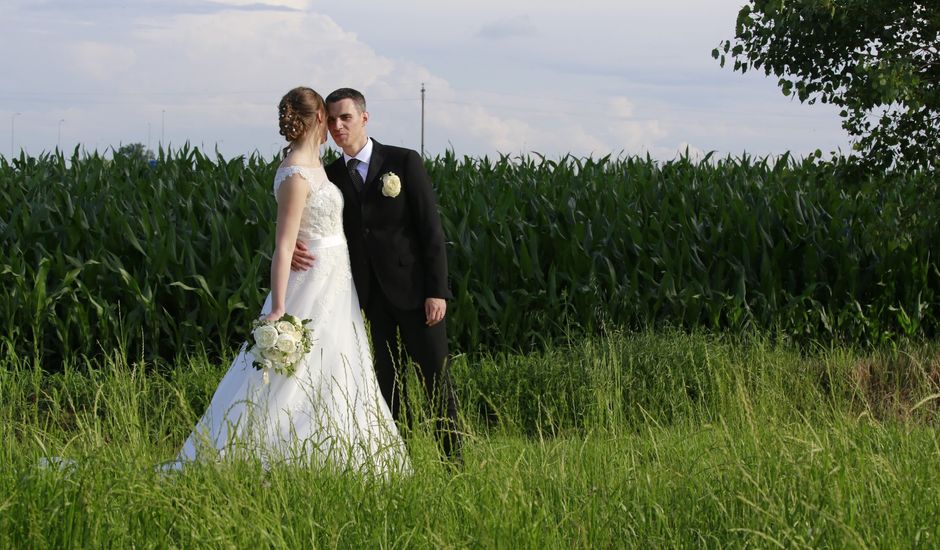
(363, 156)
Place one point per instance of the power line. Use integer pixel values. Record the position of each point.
(58, 95)
(138, 98)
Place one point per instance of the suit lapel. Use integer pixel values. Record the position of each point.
(375, 164)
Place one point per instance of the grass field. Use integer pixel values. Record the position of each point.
(659, 439)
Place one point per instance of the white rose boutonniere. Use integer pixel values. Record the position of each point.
(391, 185)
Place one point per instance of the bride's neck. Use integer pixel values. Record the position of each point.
(305, 152)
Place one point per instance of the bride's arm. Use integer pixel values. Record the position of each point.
(290, 206)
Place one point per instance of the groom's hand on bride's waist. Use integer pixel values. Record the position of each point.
(302, 259)
(434, 310)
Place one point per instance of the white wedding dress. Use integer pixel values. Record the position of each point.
(330, 411)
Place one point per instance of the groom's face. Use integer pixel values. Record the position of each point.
(347, 125)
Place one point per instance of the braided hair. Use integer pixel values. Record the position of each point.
(297, 112)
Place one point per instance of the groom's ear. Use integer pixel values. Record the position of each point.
(365, 117)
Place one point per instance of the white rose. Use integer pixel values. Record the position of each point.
(391, 185)
(286, 343)
(285, 327)
(294, 358)
(265, 336)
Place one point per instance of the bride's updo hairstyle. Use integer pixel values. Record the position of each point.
(297, 112)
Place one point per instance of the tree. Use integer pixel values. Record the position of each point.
(876, 59)
(135, 151)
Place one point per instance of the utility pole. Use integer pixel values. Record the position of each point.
(162, 127)
(422, 120)
(13, 133)
(58, 141)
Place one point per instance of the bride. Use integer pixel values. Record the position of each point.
(330, 411)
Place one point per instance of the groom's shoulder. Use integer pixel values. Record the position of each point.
(336, 164)
(393, 151)
(338, 161)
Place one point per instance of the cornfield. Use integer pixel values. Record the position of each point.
(165, 259)
(729, 245)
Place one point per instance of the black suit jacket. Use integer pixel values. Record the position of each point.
(399, 238)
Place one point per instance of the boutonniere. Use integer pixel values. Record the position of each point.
(391, 185)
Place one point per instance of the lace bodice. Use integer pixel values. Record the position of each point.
(323, 212)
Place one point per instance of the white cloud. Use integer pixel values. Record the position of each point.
(215, 69)
(632, 136)
(293, 4)
(504, 134)
(581, 143)
(239, 51)
(508, 27)
(621, 107)
(619, 131)
(101, 61)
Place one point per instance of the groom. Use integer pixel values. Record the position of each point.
(399, 263)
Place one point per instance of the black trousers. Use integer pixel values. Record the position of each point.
(427, 346)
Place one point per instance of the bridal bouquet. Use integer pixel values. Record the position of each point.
(279, 345)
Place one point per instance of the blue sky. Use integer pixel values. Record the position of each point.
(592, 77)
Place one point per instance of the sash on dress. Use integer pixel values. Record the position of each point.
(327, 242)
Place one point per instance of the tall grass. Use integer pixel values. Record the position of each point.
(172, 258)
(663, 440)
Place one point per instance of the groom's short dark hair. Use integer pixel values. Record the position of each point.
(348, 93)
